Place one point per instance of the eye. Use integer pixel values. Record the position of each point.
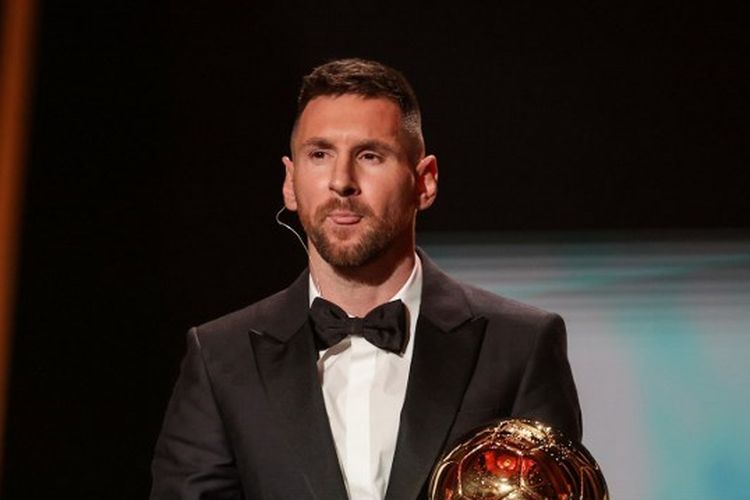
(318, 155)
(370, 157)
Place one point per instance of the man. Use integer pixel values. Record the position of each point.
(297, 396)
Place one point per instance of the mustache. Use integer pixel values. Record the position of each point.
(346, 204)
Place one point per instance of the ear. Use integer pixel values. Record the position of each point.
(287, 190)
(427, 181)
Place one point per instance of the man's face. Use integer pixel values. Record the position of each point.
(350, 181)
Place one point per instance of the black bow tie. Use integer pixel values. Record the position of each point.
(384, 326)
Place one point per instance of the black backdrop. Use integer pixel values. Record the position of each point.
(157, 132)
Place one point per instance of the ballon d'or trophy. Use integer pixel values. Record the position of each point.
(518, 460)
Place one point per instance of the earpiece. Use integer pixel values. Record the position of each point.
(302, 242)
(287, 226)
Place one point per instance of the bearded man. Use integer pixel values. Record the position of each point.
(352, 382)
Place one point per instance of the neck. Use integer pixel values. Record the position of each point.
(358, 290)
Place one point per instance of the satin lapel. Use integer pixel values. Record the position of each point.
(442, 365)
(289, 374)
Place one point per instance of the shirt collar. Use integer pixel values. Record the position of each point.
(410, 293)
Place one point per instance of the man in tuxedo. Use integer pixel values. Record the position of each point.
(352, 381)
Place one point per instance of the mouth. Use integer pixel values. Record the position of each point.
(344, 218)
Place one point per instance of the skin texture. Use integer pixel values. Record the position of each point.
(357, 196)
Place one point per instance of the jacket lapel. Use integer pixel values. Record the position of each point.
(446, 347)
(286, 357)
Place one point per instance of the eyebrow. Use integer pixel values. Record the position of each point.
(317, 142)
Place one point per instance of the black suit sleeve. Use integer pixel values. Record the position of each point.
(547, 392)
(193, 459)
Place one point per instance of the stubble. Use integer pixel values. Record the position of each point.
(350, 247)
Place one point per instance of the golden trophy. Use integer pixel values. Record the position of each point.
(518, 459)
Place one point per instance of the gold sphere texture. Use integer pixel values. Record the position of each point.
(518, 459)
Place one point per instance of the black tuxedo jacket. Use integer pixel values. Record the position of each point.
(247, 418)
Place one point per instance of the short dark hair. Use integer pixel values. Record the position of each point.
(369, 79)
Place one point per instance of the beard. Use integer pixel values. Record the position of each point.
(340, 246)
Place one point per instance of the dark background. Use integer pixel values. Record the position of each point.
(154, 174)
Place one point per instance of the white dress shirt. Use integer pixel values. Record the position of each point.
(364, 389)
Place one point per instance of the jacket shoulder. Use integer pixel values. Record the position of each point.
(496, 307)
(240, 320)
(279, 315)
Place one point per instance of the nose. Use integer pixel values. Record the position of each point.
(343, 178)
